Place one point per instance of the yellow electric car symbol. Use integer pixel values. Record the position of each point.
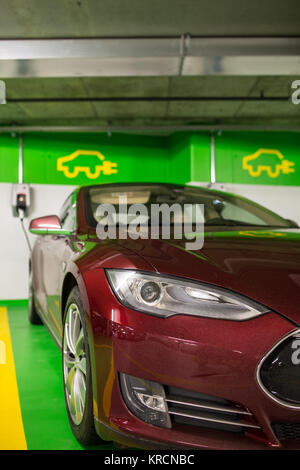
(273, 171)
(71, 168)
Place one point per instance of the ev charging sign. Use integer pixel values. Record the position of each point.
(2, 92)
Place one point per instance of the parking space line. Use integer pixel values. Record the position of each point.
(12, 436)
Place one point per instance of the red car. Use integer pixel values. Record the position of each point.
(168, 347)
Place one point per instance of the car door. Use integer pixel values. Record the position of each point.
(56, 255)
(37, 272)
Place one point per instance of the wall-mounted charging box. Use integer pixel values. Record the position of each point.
(20, 198)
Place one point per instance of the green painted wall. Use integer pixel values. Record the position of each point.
(200, 157)
(274, 158)
(9, 151)
(266, 158)
(137, 158)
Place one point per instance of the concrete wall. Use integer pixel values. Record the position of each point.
(47, 199)
(14, 253)
(283, 200)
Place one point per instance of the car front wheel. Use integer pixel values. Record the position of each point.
(77, 372)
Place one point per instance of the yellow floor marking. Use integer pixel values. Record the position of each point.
(12, 435)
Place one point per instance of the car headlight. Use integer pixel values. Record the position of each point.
(165, 296)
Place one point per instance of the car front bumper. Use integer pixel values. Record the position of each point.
(200, 356)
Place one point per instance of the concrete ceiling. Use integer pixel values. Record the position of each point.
(148, 101)
(115, 18)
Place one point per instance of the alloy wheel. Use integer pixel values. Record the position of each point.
(74, 364)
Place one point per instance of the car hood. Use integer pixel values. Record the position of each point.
(263, 265)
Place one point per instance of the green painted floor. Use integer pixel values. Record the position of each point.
(39, 377)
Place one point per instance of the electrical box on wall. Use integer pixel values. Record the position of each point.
(20, 199)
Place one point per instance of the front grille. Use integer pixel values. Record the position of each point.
(195, 409)
(287, 431)
(279, 373)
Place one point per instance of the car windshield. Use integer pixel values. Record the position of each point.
(219, 209)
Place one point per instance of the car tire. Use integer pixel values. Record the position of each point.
(76, 368)
(33, 316)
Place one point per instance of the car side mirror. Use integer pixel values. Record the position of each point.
(48, 225)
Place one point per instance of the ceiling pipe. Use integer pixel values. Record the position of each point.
(21, 160)
(184, 47)
(2, 92)
(26, 49)
(144, 56)
(113, 99)
(212, 159)
(129, 129)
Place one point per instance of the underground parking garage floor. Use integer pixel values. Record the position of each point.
(32, 409)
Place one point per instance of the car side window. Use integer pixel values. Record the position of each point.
(233, 211)
(68, 215)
